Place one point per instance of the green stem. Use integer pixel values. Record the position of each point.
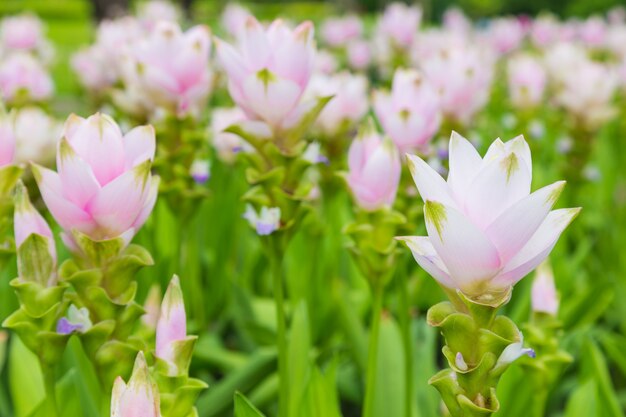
(405, 329)
(281, 325)
(372, 356)
(50, 388)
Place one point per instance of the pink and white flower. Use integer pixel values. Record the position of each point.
(338, 31)
(138, 398)
(172, 325)
(486, 231)
(23, 78)
(21, 33)
(400, 23)
(544, 298)
(527, 81)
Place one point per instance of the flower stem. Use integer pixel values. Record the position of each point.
(281, 325)
(50, 388)
(405, 329)
(372, 356)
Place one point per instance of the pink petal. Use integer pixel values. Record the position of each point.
(140, 145)
(429, 183)
(464, 162)
(78, 180)
(272, 98)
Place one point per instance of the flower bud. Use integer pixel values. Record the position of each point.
(543, 294)
(172, 324)
(28, 221)
(140, 397)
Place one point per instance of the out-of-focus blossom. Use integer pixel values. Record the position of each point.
(543, 295)
(338, 31)
(348, 105)
(462, 76)
(265, 222)
(592, 31)
(76, 321)
(138, 398)
(617, 15)
(270, 69)
(200, 170)
(28, 221)
(455, 20)
(234, 18)
(325, 62)
(374, 169)
(616, 40)
(154, 11)
(21, 33)
(527, 81)
(172, 324)
(36, 135)
(227, 144)
(486, 231)
(544, 30)
(359, 54)
(400, 23)
(505, 34)
(563, 55)
(172, 67)
(313, 154)
(23, 78)
(7, 139)
(411, 114)
(103, 198)
(152, 307)
(92, 67)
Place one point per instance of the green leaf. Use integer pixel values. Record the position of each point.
(299, 363)
(244, 408)
(390, 384)
(25, 379)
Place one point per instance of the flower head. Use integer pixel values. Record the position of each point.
(265, 222)
(138, 398)
(172, 323)
(77, 320)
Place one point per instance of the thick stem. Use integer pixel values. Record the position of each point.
(372, 356)
(281, 325)
(50, 388)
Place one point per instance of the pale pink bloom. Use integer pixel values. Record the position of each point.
(456, 21)
(543, 295)
(7, 140)
(568, 31)
(617, 15)
(172, 67)
(172, 324)
(103, 187)
(374, 170)
(27, 221)
(234, 18)
(115, 35)
(138, 398)
(325, 62)
(92, 65)
(154, 11)
(23, 32)
(486, 231)
(338, 31)
(411, 113)
(527, 81)
(228, 145)
(592, 31)
(544, 30)
(359, 54)
(564, 55)
(462, 76)
(269, 70)
(22, 77)
(506, 34)
(349, 103)
(36, 135)
(616, 40)
(400, 23)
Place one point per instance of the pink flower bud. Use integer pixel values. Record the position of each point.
(270, 68)
(172, 324)
(102, 197)
(543, 295)
(374, 165)
(7, 140)
(23, 78)
(593, 31)
(28, 221)
(410, 115)
(527, 81)
(138, 398)
(21, 32)
(338, 31)
(486, 231)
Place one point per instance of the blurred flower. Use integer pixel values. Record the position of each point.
(140, 398)
(102, 197)
(617, 15)
(359, 54)
(338, 31)
(485, 230)
(36, 135)
(92, 67)
(234, 18)
(266, 222)
(513, 352)
(400, 23)
(23, 78)
(455, 20)
(374, 169)
(153, 11)
(593, 31)
(537, 129)
(527, 81)
(505, 34)
(172, 67)
(152, 307)
(21, 32)
(7, 139)
(28, 221)
(348, 105)
(543, 295)
(411, 114)
(200, 170)
(172, 324)
(544, 30)
(313, 154)
(270, 69)
(77, 320)
(325, 62)
(227, 144)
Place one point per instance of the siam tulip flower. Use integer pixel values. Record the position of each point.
(564, 55)
(21, 33)
(374, 169)
(544, 30)
(138, 398)
(154, 11)
(265, 222)
(400, 23)
(22, 78)
(172, 325)
(411, 114)
(348, 105)
(593, 31)
(36, 135)
(325, 62)
(76, 321)
(28, 221)
(269, 70)
(486, 231)
(527, 81)
(616, 40)
(227, 145)
(617, 15)
(543, 294)
(172, 67)
(200, 170)
(92, 67)
(359, 54)
(463, 77)
(338, 31)
(101, 197)
(505, 34)
(234, 19)
(456, 21)
(7, 139)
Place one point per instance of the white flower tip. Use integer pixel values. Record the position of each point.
(460, 363)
